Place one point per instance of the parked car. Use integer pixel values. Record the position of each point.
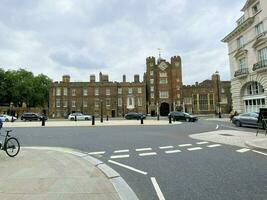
(182, 116)
(32, 117)
(134, 115)
(79, 116)
(248, 119)
(7, 118)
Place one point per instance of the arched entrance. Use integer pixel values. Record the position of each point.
(164, 109)
(253, 97)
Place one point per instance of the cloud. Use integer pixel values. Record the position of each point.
(79, 37)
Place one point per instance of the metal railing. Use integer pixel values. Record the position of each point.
(259, 65)
(240, 72)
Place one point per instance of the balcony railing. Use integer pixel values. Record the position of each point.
(241, 72)
(260, 65)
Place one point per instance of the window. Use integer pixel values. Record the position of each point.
(242, 63)
(152, 95)
(151, 81)
(119, 90)
(188, 100)
(254, 88)
(163, 80)
(139, 90)
(139, 101)
(162, 74)
(65, 104)
(65, 91)
(130, 90)
(164, 94)
(262, 54)
(120, 102)
(107, 102)
(259, 29)
(73, 104)
(256, 8)
(73, 92)
(58, 92)
(85, 92)
(58, 103)
(195, 100)
(85, 104)
(108, 91)
(203, 102)
(96, 103)
(96, 92)
(211, 99)
(151, 73)
(130, 103)
(240, 42)
(152, 88)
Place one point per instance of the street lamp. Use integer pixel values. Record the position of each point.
(101, 111)
(11, 111)
(219, 99)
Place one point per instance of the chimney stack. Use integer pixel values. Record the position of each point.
(124, 78)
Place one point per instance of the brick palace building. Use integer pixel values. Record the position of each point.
(160, 91)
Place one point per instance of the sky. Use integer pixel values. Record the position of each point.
(83, 37)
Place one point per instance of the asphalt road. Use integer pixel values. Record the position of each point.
(162, 161)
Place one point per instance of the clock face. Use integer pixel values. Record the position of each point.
(163, 66)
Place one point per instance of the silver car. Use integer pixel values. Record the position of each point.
(79, 116)
(7, 118)
(247, 119)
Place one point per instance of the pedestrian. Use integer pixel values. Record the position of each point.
(231, 115)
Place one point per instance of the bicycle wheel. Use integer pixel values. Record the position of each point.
(12, 147)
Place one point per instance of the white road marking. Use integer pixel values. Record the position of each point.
(120, 156)
(243, 150)
(172, 151)
(193, 149)
(121, 151)
(157, 188)
(214, 145)
(217, 126)
(260, 152)
(144, 149)
(166, 147)
(185, 145)
(148, 154)
(97, 153)
(127, 167)
(202, 142)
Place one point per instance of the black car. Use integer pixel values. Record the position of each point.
(32, 117)
(182, 116)
(248, 119)
(134, 115)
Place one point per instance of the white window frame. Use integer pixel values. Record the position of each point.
(163, 94)
(163, 80)
(130, 90)
(262, 54)
(65, 104)
(73, 104)
(152, 95)
(151, 73)
(73, 92)
(151, 81)
(58, 103)
(107, 91)
(139, 101)
(85, 92)
(119, 90)
(151, 88)
(242, 64)
(139, 90)
(85, 104)
(259, 29)
(119, 102)
(65, 91)
(96, 91)
(240, 41)
(163, 74)
(108, 102)
(58, 91)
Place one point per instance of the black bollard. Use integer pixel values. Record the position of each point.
(12, 119)
(107, 117)
(43, 121)
(93, 120)
(75, 118)
(158, 117)
(220, 116)
(101, 118)
(142, 120)
(170, 119)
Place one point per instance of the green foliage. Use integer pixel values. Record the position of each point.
(21, 86)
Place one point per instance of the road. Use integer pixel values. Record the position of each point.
(163, 162)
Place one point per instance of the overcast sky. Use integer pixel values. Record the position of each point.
(83, 37)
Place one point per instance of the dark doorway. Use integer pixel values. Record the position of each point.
(113, 113)
(164, 109)
(153, 113)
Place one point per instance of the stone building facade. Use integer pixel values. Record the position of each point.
(160, 92)
(247, 46)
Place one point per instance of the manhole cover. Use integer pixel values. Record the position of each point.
(225, 134)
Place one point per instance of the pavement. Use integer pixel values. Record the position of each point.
(67, 123)
(42, 173)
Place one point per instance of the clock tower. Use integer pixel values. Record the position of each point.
(164, 85)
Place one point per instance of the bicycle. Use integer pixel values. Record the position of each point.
(10, 144)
